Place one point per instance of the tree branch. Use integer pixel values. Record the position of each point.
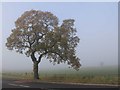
(33, 56)
(57, 54)
(53, 44)
(25, 46)
(38, 37)
(41, 56)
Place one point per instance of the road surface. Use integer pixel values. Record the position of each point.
(10, 83)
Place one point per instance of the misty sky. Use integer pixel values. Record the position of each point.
(96, 25)
(1, 38)
(59, 0)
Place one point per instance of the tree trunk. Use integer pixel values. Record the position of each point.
(35, 70)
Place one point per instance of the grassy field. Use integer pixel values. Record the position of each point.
(0, 75)
(98, 75)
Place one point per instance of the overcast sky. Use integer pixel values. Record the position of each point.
(96, 25)
(59, 0)
(1, 38)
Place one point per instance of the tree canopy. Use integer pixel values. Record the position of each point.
(38, 32)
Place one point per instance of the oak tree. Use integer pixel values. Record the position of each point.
(38, 35)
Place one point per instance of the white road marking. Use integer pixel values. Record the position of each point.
(24, 86)
(12, 84)
(96, 84)
(18, 85)
(85, 84)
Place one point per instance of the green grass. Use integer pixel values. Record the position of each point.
(103, 75)
(0, 76)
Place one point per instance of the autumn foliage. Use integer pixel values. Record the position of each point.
(39, 33)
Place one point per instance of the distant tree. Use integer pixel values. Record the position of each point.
(38, 34)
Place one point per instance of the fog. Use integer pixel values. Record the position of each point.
(0, 39)
(96, 25)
